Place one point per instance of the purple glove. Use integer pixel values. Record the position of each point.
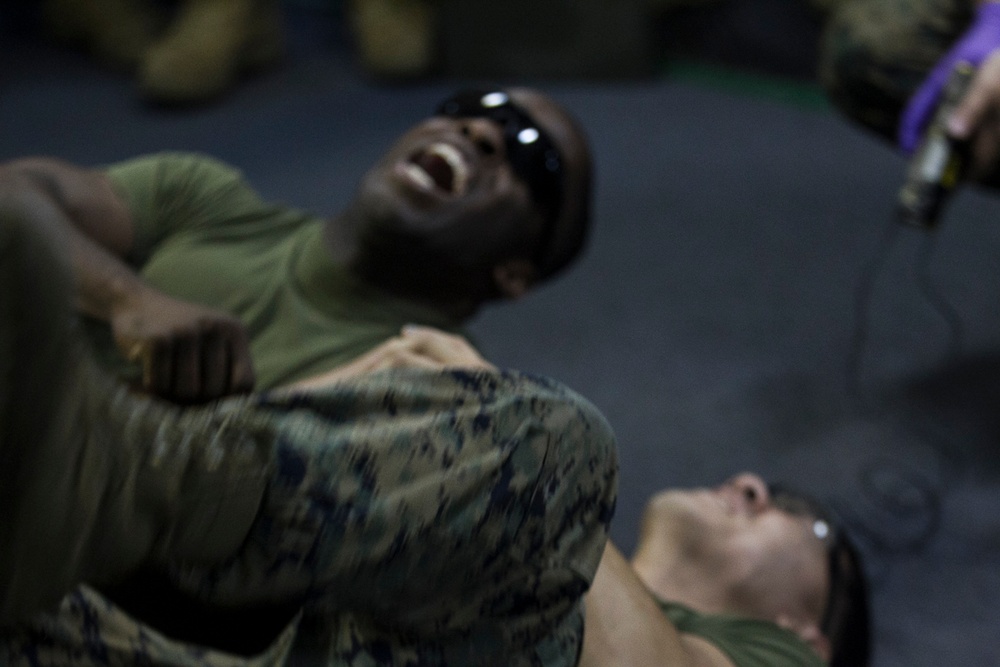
(981, 39)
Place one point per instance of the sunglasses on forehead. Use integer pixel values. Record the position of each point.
(827, 530)
(531, 154)
(799, 504)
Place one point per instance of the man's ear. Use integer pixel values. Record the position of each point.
(514, 277)
(810, 633)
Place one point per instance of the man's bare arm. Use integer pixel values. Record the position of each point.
(83, 206)
(188, 352)
(625, 627)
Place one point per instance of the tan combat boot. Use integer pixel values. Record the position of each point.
(116, 32)
(395, 38)
(95, 481)
(208, 46)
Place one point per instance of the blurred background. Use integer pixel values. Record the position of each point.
(746, 301)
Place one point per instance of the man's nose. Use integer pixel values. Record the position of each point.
(753, 489)
(485, 134)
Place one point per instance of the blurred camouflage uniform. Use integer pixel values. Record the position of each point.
(432, 518)
(876, 53)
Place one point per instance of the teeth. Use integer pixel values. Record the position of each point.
(456, 161)
(419, 175)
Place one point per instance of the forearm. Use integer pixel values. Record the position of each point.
(104, 282)
(188, 352)
(80, 206)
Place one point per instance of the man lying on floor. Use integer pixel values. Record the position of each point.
(450, 514)
(197, 287)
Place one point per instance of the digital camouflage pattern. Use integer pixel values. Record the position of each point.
(431, 518)
(876, 53)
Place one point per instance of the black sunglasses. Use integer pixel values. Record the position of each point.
(531, 154)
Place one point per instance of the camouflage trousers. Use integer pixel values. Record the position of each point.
(876, 53)
(429, 519)
(425, 518)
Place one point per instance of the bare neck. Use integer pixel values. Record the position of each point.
(670, 576)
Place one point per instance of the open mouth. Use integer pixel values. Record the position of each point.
(439, 167)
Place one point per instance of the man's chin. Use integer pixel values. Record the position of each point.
(383, 214)
(687, 508)
(383, 194)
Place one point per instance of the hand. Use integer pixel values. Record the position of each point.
(188, 353)
(976, 117)
(415, 347)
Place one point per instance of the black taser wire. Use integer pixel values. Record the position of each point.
(932, 174)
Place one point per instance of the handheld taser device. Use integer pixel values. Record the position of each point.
(938, 162)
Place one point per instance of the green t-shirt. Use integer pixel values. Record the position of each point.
(747, 642)
(202, 234)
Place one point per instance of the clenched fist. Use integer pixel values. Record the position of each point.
(188, 353)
